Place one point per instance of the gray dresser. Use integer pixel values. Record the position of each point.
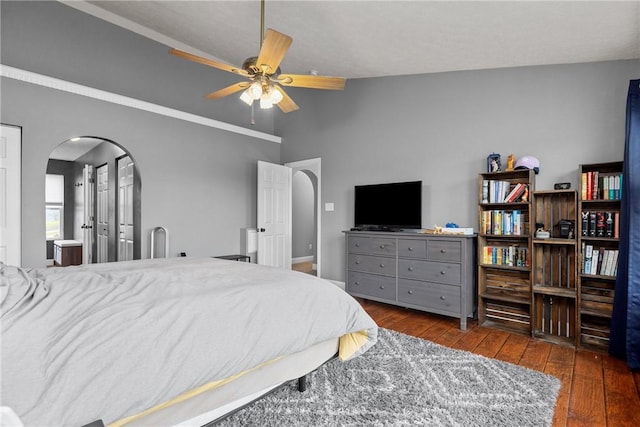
(434, 273)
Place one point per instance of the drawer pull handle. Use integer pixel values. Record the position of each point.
(443, 251)
(381, 265)
(357, 245)
(357, 283)
(410, 292)
(410, 268)
(442, 297)
(358, 262)
(443, 272)
(410, 249)
(381, 246)
(381, 286)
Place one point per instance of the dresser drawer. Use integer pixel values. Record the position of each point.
(430, 271)
(408, 248)
(372, 264)
(444, 250)
(372, 245)
(434, 296)
(371, 285)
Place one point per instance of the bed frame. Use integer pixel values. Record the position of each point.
(212, 406)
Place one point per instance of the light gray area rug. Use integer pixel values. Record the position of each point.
(407, 381)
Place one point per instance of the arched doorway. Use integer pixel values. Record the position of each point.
(87, 199)
(306, 227)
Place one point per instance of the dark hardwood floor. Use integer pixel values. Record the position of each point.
(597, 389)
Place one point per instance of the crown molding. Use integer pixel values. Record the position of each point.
(114, 98)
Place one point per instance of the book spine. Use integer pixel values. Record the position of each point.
(485, 191)
(585, 223)
(588, 252)
(616, 225)
(594, 261)
(600, 224)
(583, 185)
(595, 190)
(608, 224)
(589, 190)
(592, 224)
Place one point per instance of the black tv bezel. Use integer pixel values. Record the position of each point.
(387, 227)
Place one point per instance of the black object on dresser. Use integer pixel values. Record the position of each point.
(235, 257)
(428, 272)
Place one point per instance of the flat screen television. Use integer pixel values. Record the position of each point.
(388, 207)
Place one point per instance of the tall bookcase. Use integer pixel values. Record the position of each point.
(504, 250)
(598, 241)
(554, 262)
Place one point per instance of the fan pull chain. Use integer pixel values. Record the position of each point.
(253, 118)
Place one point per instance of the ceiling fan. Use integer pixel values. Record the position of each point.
(263, 71)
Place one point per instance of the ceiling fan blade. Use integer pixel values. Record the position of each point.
(274, 47)
(228, 90)
(209, 62)
(286, 104)
(311, 81)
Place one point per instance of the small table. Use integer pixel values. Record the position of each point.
(245, 258)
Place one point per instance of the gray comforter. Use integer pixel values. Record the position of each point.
(111, 340)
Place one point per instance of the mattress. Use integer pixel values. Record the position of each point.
(109, 341)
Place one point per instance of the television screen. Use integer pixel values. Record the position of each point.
(390, 206)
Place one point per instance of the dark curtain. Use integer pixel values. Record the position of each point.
(625, 323)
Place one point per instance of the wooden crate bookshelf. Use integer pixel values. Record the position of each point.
(504, 250)
(554, 263)
(596, 281)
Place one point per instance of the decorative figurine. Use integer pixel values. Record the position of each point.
(493, 163)
(510, 160)
(525, 196)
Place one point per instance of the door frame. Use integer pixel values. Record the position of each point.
(313, 166)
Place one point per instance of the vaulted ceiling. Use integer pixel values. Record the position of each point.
(357, 39)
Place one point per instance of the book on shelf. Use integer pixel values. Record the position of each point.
(600, 224)
(599, 261)
(586, 266)
(502, 223)
(600, 186)
(510, 256)
(516, 193)
(497, 191)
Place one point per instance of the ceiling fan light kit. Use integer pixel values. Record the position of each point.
(264, 73)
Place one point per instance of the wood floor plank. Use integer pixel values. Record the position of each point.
(513, 348)
(492, 343)
(535, 355)
(621, 399)
(472, 338)
(586, 404)
(560, 364)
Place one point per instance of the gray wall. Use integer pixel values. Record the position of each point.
(440, 128)
(197, 181)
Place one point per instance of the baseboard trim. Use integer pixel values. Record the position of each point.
(301, 259)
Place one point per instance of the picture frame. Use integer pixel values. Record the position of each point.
(493, 163)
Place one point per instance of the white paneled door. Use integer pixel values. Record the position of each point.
(10, 201)
(274, 215)
(125, 208)
(102, 213)
(89, 213)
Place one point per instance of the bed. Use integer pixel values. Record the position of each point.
(160, 342)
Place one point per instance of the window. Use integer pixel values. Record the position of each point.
(54, 206)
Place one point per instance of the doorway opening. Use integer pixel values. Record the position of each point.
(306, 217)
(87, 209)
